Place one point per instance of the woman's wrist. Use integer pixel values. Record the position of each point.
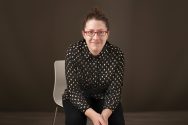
(106, 113)
(90, 113)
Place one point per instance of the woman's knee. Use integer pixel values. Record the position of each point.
(72, 115)
(117, 117)
(75, 120)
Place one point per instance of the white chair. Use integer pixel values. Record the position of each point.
(60, 86)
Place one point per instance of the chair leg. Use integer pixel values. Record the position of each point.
(56, 109)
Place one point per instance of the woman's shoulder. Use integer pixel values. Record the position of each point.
(75, 49)
(114, 50)
(76, 44)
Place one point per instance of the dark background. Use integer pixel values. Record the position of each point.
(152, 34)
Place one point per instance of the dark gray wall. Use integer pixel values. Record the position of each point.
(152, 34)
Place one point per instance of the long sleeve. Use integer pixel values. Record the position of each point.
(113, 93)
(75, 93)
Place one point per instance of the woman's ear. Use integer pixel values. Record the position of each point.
(83, 34)
(108, 33)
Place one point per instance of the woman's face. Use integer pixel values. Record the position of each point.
(95, 34)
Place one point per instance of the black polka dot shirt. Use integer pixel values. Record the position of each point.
(89, 76)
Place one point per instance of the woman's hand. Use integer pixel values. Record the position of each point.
(106, 114)
(96, 118)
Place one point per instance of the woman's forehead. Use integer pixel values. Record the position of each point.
(95, 24)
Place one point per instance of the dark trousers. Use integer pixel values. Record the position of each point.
(74, 116)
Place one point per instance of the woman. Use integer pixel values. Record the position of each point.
(94, 74)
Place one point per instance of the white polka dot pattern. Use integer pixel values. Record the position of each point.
(99, 77)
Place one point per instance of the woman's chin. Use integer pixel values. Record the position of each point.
(95, 52)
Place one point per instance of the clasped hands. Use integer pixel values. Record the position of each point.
(97, 118)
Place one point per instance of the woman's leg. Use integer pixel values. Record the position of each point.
(72, 115)
(117, 117)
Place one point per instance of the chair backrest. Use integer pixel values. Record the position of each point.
(60, 81)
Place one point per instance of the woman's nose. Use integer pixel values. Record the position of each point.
(96, 36)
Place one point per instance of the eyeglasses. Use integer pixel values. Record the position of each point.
(92, 33)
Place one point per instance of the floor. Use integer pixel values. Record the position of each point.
(131, 118)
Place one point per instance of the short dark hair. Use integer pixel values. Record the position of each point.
(97, 14)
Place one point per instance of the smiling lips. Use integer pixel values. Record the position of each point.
(94, 42)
